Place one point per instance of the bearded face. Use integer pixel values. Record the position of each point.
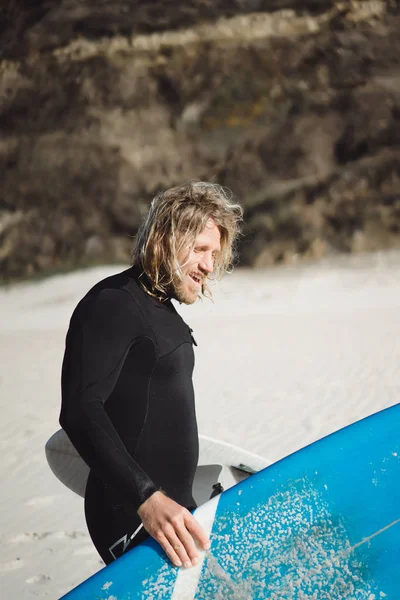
(197, 263)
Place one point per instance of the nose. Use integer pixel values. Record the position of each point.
(207, 263)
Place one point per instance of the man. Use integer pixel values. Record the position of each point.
(127, 393)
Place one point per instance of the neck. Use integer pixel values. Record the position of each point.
(147, 285)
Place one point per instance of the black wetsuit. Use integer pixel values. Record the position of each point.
(128, 406)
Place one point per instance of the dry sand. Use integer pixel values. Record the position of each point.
(284, 357)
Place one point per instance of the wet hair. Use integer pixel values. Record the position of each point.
(176, 217)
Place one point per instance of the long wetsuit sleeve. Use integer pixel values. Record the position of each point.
(100, 336)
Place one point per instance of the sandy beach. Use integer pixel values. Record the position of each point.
(284, 357)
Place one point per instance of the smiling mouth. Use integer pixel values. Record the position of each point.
(195, 278)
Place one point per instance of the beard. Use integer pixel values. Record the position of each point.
(184, 291)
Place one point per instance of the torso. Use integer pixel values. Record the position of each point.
(151, 404)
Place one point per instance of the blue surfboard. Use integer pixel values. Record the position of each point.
(323, 523)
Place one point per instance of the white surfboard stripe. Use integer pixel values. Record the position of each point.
(187, 580)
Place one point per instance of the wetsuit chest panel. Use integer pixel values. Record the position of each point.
(166, 325)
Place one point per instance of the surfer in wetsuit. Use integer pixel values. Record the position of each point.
(127, 392)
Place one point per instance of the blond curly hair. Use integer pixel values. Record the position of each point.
(175, 219)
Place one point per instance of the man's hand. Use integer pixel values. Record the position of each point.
(173, 526)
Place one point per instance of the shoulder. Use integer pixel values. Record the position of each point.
(111, 303)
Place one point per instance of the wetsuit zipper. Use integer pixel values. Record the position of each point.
(191, 335)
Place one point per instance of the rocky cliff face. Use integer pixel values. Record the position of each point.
(295, 108)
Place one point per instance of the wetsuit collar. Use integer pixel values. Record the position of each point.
(145, 283)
